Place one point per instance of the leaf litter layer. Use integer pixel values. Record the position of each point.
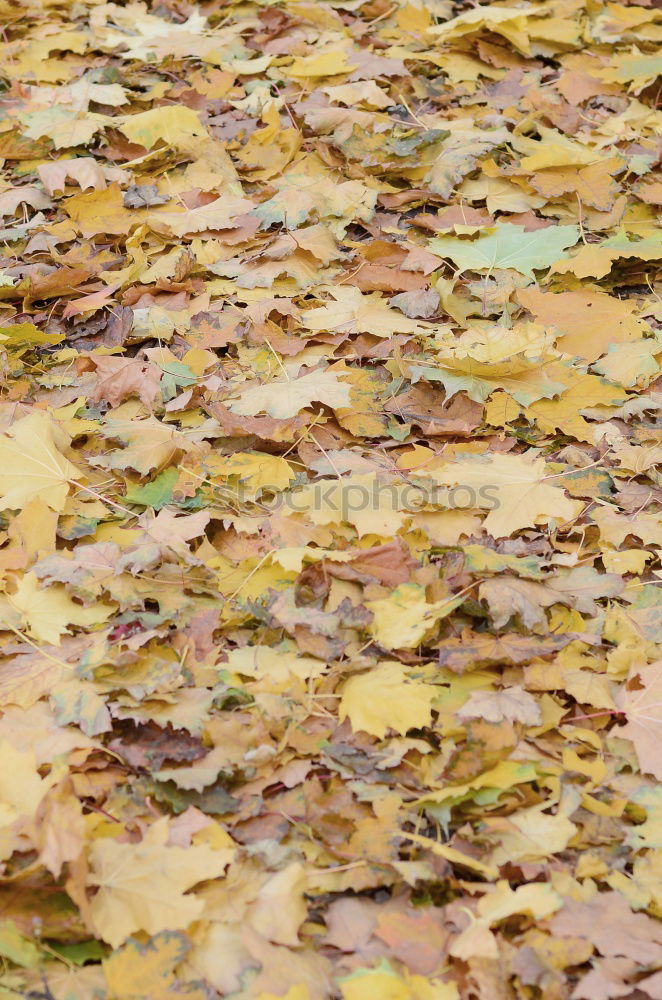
(330, 617)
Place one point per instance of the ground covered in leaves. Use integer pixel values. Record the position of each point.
(330, 621)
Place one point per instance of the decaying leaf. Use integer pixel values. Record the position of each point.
(512, 704)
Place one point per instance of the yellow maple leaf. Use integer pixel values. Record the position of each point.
(32, 465)
(525, 380)
(59, 828)
(641, 700)
(323, 64)
(250, 578)
(593, 184)
(511, 23)
(101, 212)
(84, 170)
(386, 698)
(137, 971)
(362, 500)
(21, 787)
(512, 703)
(514, 487)
(284, 399)
(218, 214)
(401, 620)
(300, 992)
(352, 312)
(171, 124)
(554, 149)
(590, 322)
(386, 984)
(365, 92)
(280, 909)
(563, 413)
(46, 613)
(273, 665)
(142, 886)
(633, 364)
(506, 774)
(254, 472)
(536, 900)
(150, 444)
(64, 127)
(307, 190)
(26, 679)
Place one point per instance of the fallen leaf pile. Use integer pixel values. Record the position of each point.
(330, 500)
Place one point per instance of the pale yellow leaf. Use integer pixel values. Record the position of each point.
(32, 465)
(142, 886)
(520, 496)
(47, 612)
(284, 399)
(170, 124)
(21, 787)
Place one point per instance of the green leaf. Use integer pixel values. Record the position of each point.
(508, 246)
(156, 494)
(175, 375)
(28, 333)
(80, 953)
(18, 949)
